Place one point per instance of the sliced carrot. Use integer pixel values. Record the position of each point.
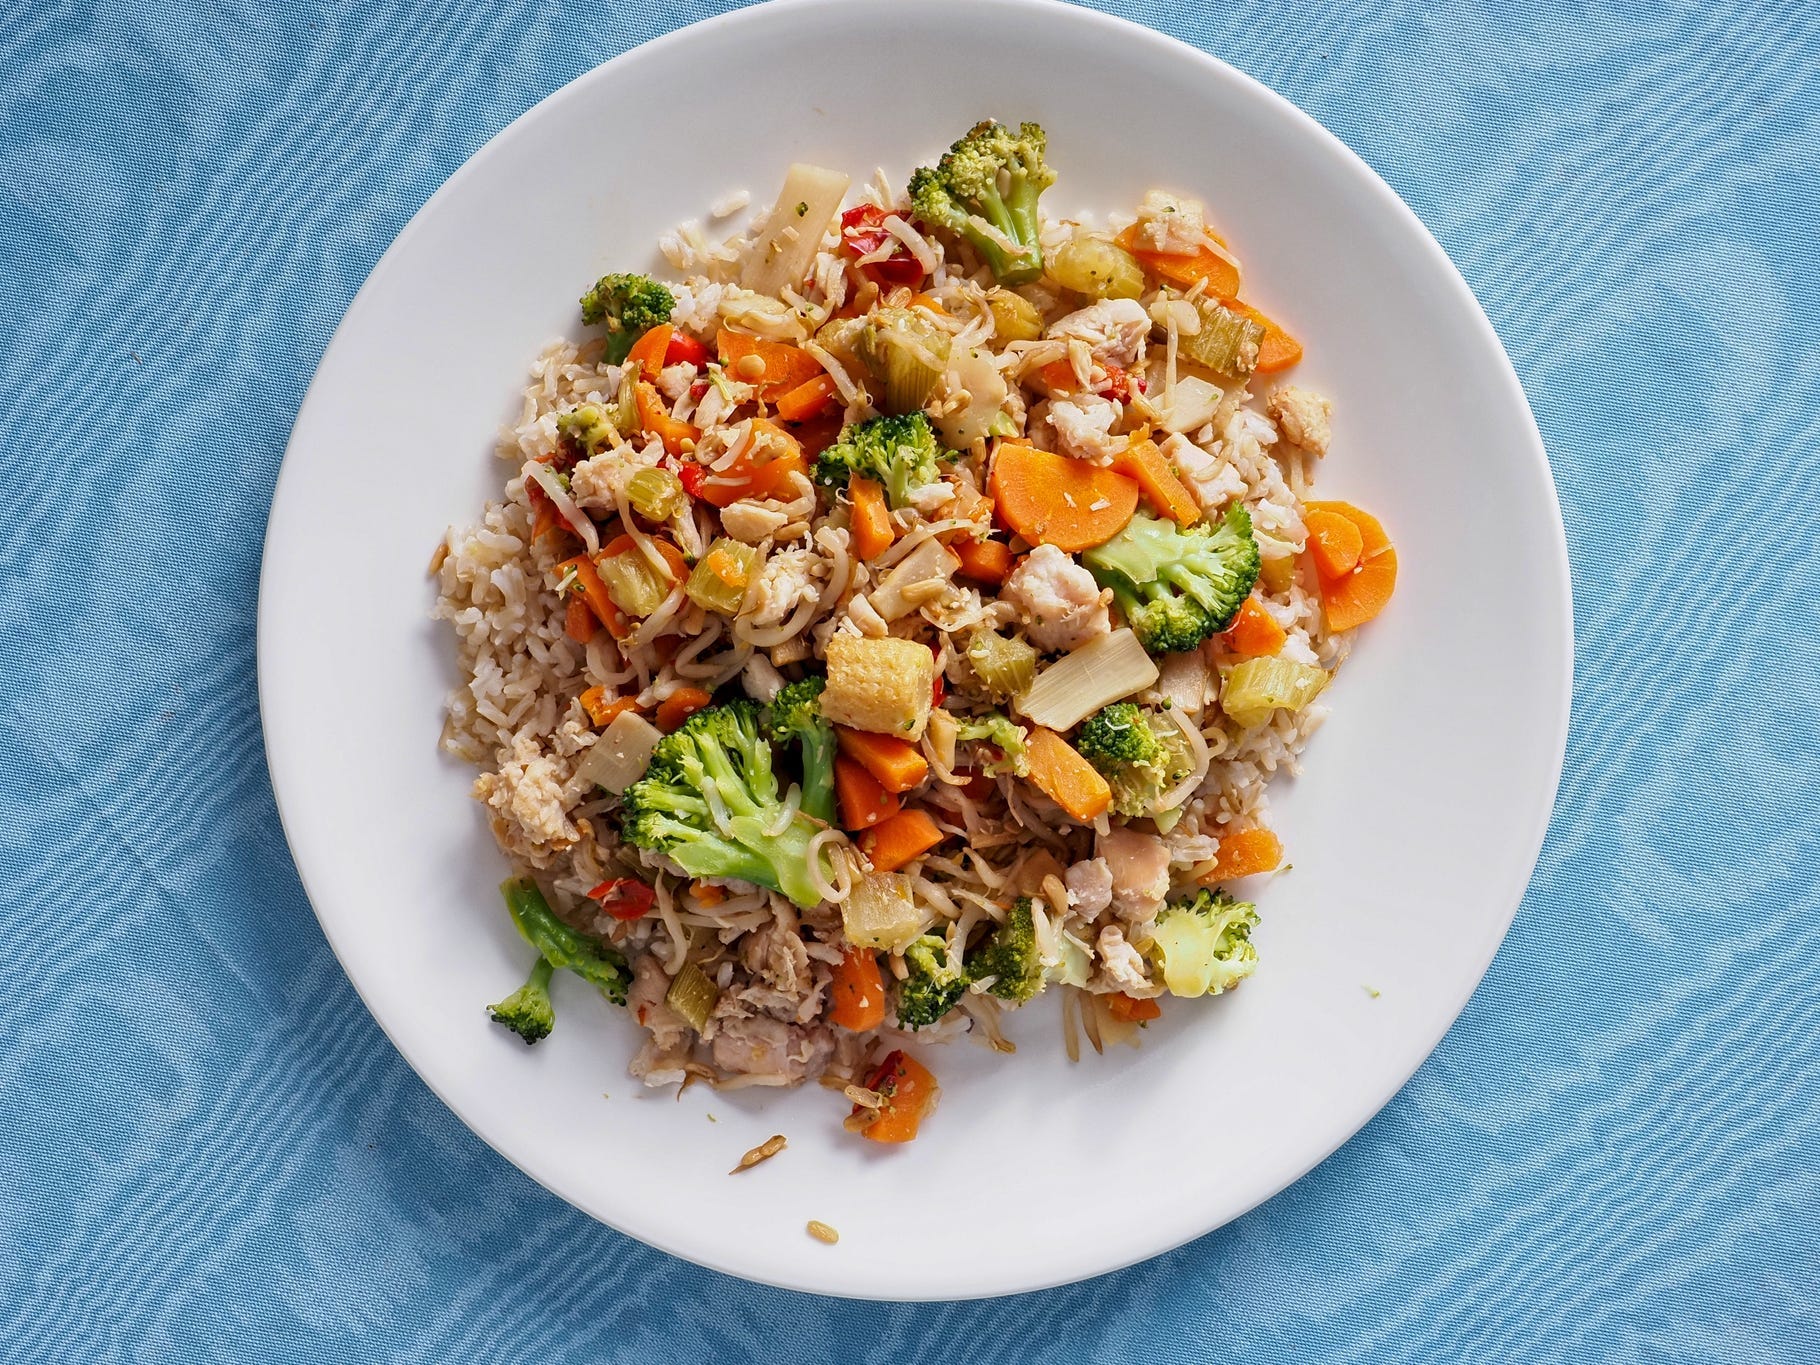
(602, 711)
(1245, 853)
(708, 893)
(1356, 597)
(856, 992)
(1277, 350)
(765, 469)
(655, 418)
(784, 367)
(905, 837)
(1058, 379)
(1050, 499)
(1208, 264)
(909, 1089)
(920, 300)
(1254, 632)
(897, 764)
(580, 622)
(983, 561)
(600, 602)
(819, 433)
(872, 529)
(806, 399)
(649, 350)
(674, 709)
(863, 801)
(1065, 777)
(1335, 541)
(1131, 1010)
(1144, 461)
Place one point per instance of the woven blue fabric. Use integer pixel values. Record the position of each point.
(209, 1152)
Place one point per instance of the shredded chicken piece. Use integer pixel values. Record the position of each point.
(1061, 605)
(1303, 416)
(1139, 864)
(1121, 965)
(1083, 425)
(1114, 329)
(1089, 885)
(529, 805)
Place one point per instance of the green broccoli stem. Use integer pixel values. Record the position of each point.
(528, 1011)
(561, 945)
(747, 853)
(819, 747)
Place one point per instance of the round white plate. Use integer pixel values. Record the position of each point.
(1412, 835)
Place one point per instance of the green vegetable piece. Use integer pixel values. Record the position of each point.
(655, 494)
(563, 946)
(1257, 687)
(985, 190)
(1227, 343)
(905, 352)
(1005, 735)
(585, 429)
(629, 306)
(693, 996)
(1004, 665)
(796, 717)
(527, 1011)
(1139, 753)
(1097, 268)
(901, 452)
(1177, 586)
(1009, 956)
(720, 578)
(635, 586)
(1203, 945)
(932, 987)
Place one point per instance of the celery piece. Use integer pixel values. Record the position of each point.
(636, 588)
(1097, 268)
(1005, 666)
(719, 581)
(1255, 688)
(693, 996)
(655, 494)
(905, 351)
(1227, 343)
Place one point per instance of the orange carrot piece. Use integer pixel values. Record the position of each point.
(983, 561)
(785, 367)
(863, 801)
(909, 1089)
(905, 837)
(601, 711)
(856, 992)
(655, 418)
(600, 602)
(1245, 853)
(1144, 461)
(1277, 350)
(580, 622)
(764, 470)
(921, 300)
(1058, 379)
(1131, 1010)
(1065, 777)
(1357, 597)
(674, 709)
(897, 763)
(1050, 499)
(1222, 275)
(872, 529)
(1254, 631)
(708, 893)
(806, 399)
(1335, 541)
(649, 349)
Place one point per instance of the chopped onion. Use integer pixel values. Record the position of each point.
(546, 479)
(1107, 669)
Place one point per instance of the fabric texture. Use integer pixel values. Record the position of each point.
(208, 1151)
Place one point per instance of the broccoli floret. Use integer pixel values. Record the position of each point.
(585, 429)
(932, 988)
(796, 714)
(527, 1011)
(901, 452)
(1003, 734)
(1139, 753)
(1009, 956)
(985, 189)
(1203, 945)
(709, 801)
(630, 306)
(1176, 587)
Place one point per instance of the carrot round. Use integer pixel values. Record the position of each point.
(1131, 1010)
(655, 418)
(674, 709)
(856, 992)
(1143, 461)
(1050, 499)
(1255, 632)
(649, 350)
(1245, 853)
(983, 561)
(872, 529)
(1355, 598)
(909, 1090)
(806, 399)
(1222, 275)
(863, 800)
(1335, 542)
(1277, 350)
(897, 764)
(1065, 777)
(779, 368)
(903, 838)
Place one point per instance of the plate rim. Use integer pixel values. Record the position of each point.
(1342, 1128)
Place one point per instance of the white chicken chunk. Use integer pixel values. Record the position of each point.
(1121, 965)
(787, 580)
(1060, 604)
(1140, 872)
(750, 521)
(1212, 480)
(763, 1046)
(1303, 416)
(528, 803)
(593, 482)
(1176, 227)
(1089, 886)
(1083, 427)
(1114, 329)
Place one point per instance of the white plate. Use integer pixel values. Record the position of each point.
(1412, 836)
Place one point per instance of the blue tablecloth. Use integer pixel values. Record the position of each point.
(209, 1152)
